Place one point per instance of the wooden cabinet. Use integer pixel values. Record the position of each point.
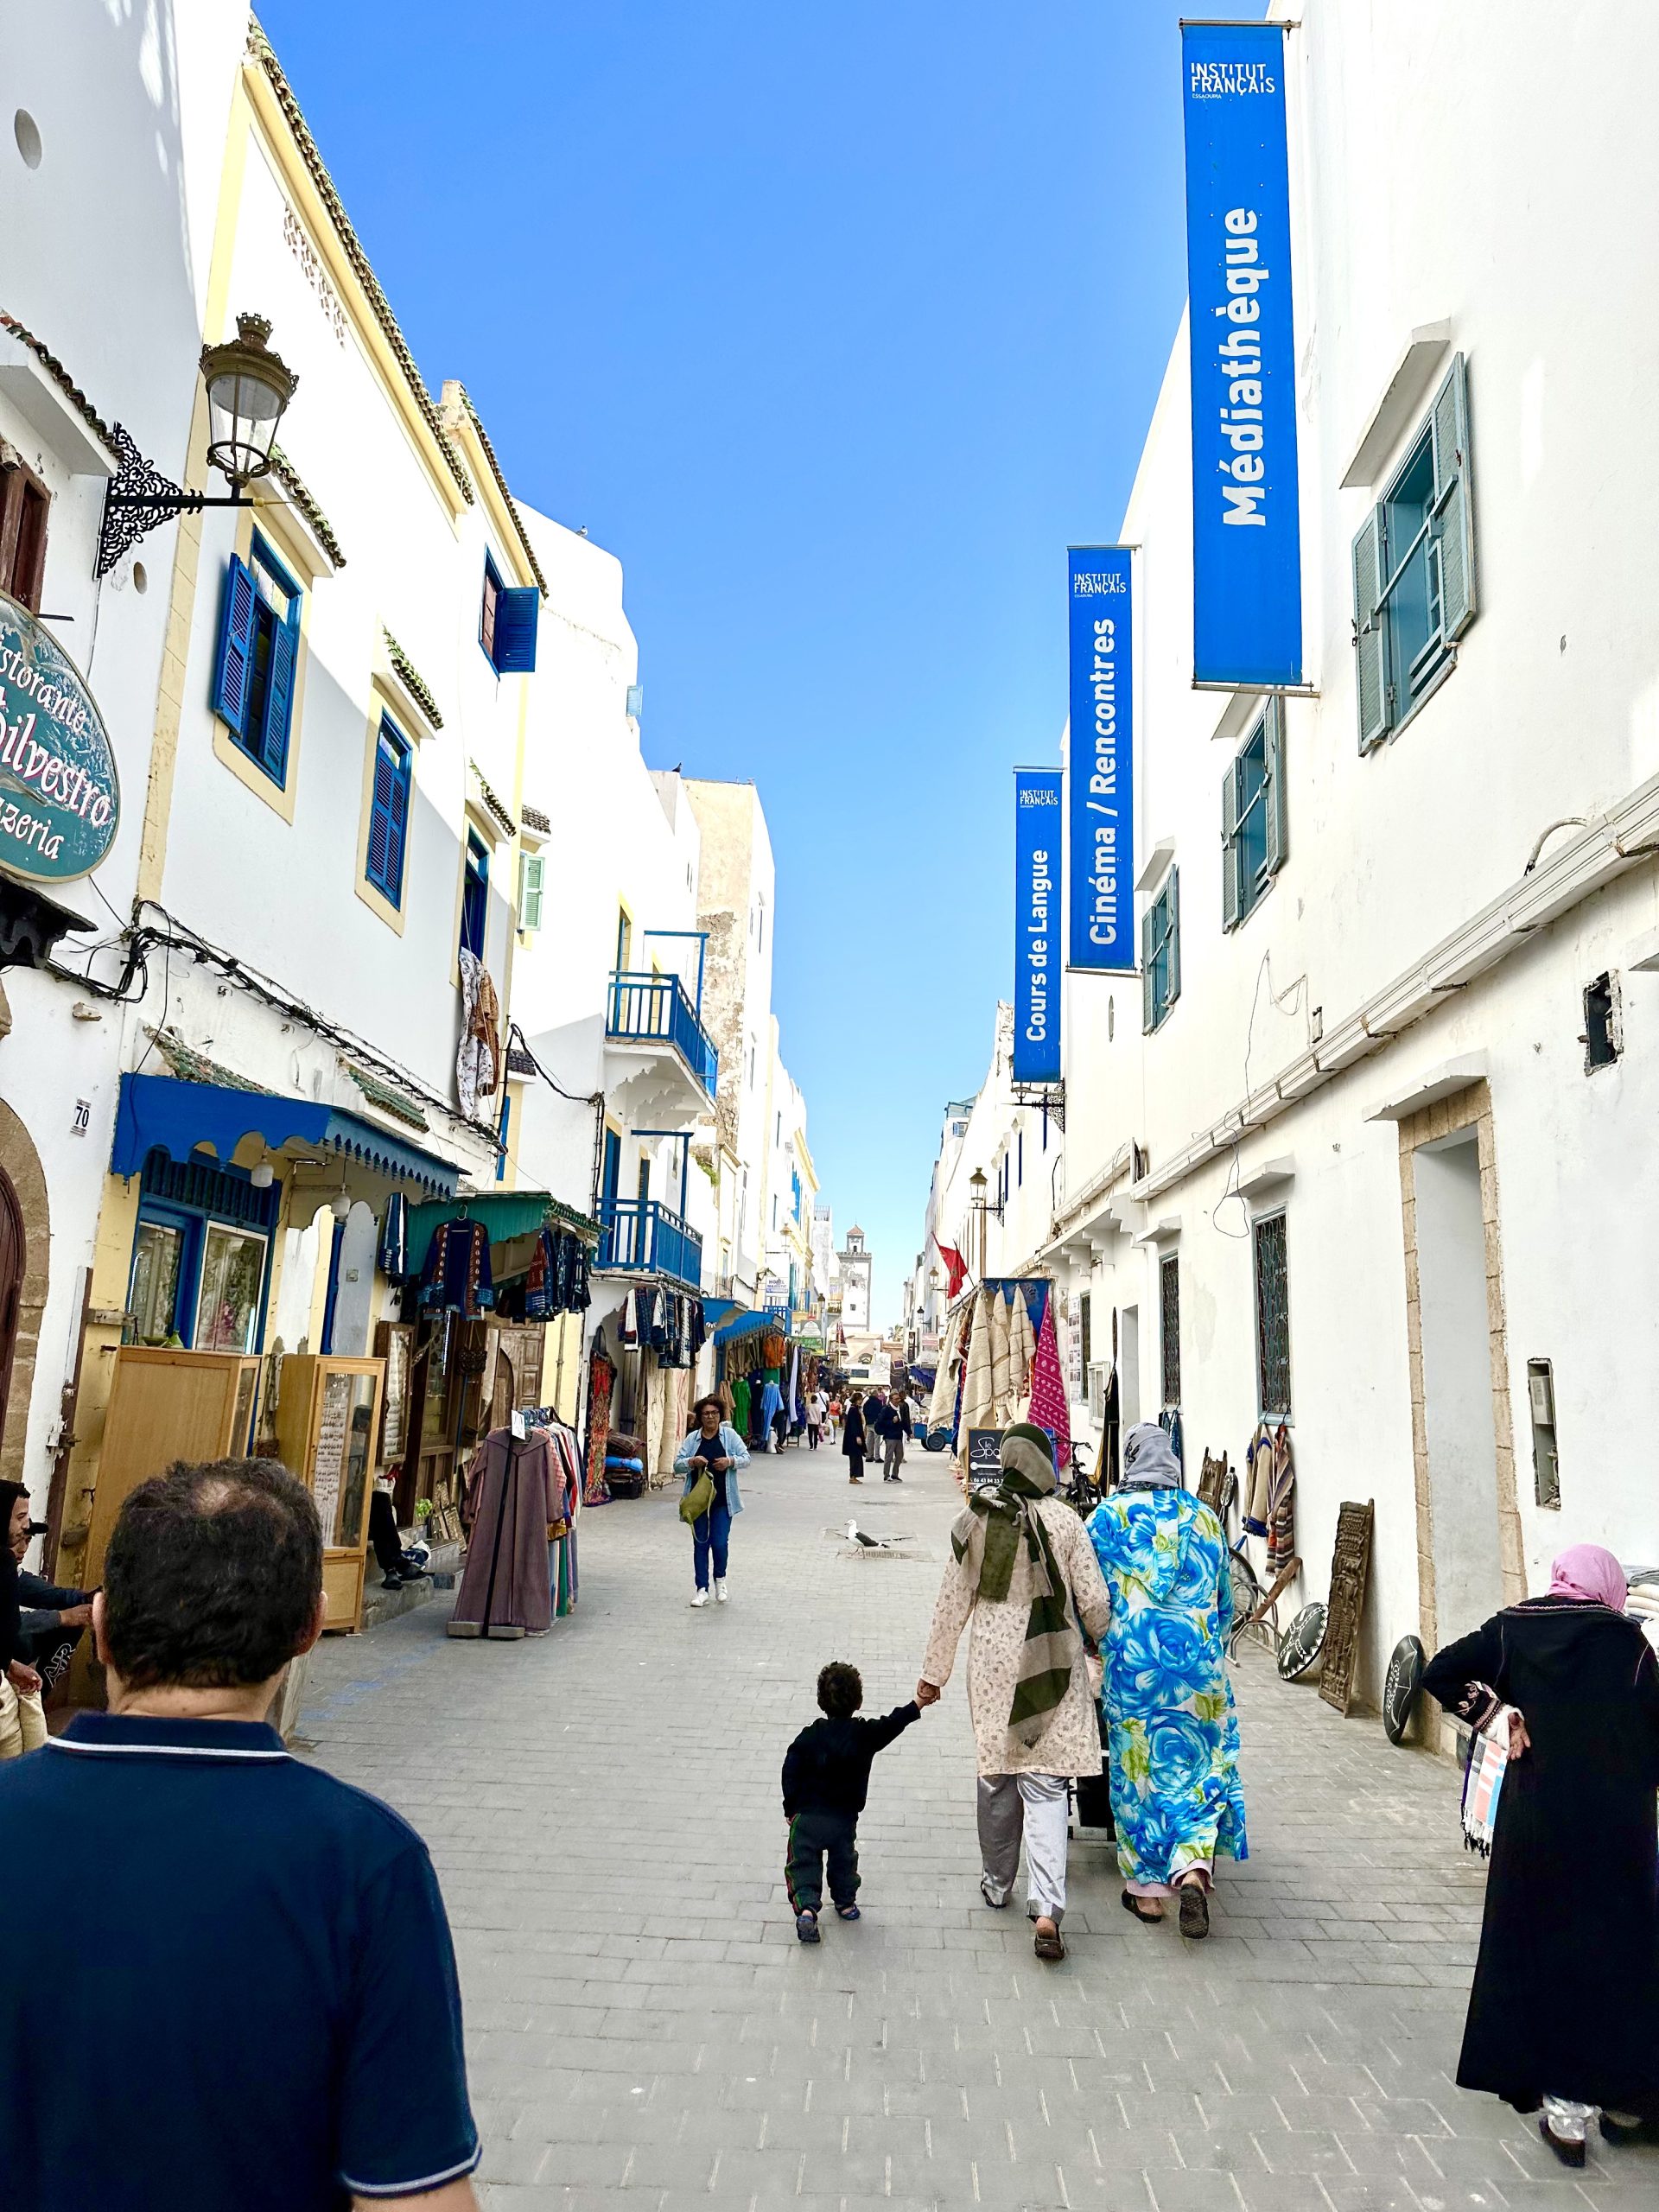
(163, 1405)
(327, 1423)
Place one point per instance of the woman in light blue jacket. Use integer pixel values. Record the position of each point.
(713, 1447)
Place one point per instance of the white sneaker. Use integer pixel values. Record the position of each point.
(701, 1598)
(720, 1589)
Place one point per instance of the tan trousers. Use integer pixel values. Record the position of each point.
(22, 1722)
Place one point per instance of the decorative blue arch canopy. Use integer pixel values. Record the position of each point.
(161, 1112)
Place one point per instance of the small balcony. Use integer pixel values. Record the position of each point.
(649, 1238)
(651, 1021)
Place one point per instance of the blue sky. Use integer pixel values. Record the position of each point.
(837, 323)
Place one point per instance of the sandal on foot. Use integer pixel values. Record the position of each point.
(847, 1912)
(1195, 1911)
(997, 1904)
(1135, 1904)
(1051, 1946)
(1570, 2154)
(806, 1927)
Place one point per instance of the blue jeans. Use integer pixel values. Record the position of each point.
(713, 1528)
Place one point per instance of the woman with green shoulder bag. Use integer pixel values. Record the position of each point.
(709, 1460)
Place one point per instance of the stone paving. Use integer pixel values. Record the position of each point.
(645, 2032)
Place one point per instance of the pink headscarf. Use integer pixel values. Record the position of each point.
(1587, 1571)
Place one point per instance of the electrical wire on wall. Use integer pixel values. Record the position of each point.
(1292, 1000)
(518, 1042)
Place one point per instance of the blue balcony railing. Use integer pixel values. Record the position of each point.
(646, 1008)
(650, 1239)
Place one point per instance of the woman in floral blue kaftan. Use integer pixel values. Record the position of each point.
(1173, 1734)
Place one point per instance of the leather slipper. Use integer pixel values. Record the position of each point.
(1131, 1904)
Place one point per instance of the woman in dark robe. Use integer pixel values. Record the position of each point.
(853, 1440)
(1565, 2008)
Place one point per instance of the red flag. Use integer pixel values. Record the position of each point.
(956, 1269)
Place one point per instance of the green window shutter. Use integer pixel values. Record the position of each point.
(1147, 1009)
(1230, 901)
(1173, 894)
(1454, 507)
(1273, 750)
(1370, 633)
(532, 870)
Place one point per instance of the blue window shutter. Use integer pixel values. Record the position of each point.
(1274, 762)
(1231, 904)
(1454, 517)
(1148, 995)
(388, 819)
(1370, 633)
(235, 655)
(279, 701)
(515, 631)
(1174, 896)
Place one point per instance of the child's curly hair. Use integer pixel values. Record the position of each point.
(841, 1690)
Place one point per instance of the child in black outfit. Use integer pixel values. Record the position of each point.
(826, 1780)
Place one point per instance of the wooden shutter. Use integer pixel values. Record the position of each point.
(1147, 1011)
(1370, 633)
(235, 655)
(1273, 752)
(515, 631)
(1454, 512)
(1230, 901)
(388, 814)
(279, 701)
(1173, 894)
(532, 870)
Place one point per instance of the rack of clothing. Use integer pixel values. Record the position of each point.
(999, 1362)
(523, 1495)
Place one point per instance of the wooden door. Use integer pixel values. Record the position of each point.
(14, 1257)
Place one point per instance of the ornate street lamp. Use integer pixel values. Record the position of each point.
(248, 389)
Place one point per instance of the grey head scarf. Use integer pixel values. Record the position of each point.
(1149, 1461)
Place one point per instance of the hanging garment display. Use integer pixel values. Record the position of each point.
(628, 1326)
(557, 1280)
(942, 1407)
(514, 1493)
(391, 1255)
(1001, 1361)
(740, 1405)
(478, 1057)
(456, 1277)
(1112, 1420)
(976, 1395)
(1049, 1409)
(1170, 1421)
(601, 1381)
(1023, 1350)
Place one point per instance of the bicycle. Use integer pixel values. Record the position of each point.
(1078, 1489)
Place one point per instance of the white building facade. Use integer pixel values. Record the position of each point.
(1367, 1154)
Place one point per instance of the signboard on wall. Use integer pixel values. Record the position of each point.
(1247, 558)
(1100, 758)
(984, 1458)
(59, 797)
(1038, 842)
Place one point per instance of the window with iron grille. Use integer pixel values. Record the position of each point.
(1272, 1319)
(1169, 1302)
(1085, 1331)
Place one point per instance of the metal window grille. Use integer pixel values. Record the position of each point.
(1272, 1318)
(1169, 1286)
(1085, 1331)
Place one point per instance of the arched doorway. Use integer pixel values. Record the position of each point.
(14, 1265)
(25, 1248)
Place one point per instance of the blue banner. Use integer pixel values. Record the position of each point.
(1039, 840)
(1247, 554)
(1101, 759)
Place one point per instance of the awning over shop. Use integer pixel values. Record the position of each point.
(161, 1113)
(744, 1324)
(506, 1214)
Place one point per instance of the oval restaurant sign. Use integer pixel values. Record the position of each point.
(59, 799)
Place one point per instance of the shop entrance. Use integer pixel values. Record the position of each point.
(1457, 1363)
(1128, 1368)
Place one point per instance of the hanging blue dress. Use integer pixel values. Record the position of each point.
(1171, 1728)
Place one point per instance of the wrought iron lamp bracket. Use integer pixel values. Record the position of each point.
(139, 499)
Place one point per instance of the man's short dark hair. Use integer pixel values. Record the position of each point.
(211, 1576)
(841, 1690)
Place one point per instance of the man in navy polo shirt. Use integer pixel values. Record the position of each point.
(227, 1983)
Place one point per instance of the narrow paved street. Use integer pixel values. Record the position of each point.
(645, 2029)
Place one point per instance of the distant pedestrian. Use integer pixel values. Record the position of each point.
(1565, 2007)
(818, 1413)
(853, 1437)
(262, 2007)
(826, 1781)
(714, 1450)
(898, 1429)
(1021, 1569)
(1171, 1732)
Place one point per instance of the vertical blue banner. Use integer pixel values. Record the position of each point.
(1247, 556)
(1100, 758)
(1038, 843)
